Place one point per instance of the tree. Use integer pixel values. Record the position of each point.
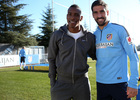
(46, 28)
(14, 28)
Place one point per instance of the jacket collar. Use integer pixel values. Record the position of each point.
(65, 29)
(105, 26)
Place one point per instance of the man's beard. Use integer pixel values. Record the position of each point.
(101, 24)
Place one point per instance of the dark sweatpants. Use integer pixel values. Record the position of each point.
(80, 90)
(112, 91)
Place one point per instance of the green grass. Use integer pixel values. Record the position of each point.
(31, 85)
(23, 85)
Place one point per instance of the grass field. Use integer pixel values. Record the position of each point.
(33, 85)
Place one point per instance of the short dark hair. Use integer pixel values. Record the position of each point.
(98, 3)
(75, 6)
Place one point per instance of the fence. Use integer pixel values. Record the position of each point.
(9, 60)
(14, 60)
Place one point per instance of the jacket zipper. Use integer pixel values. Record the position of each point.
(73, 62)
(101, 36)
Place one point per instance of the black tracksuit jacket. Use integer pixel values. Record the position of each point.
(68, 57)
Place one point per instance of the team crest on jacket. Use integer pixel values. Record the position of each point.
(109, 37)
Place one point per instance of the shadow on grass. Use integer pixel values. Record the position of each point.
(25, 71)
(33, 71)
(6, 70)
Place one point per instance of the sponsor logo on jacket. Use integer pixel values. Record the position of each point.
(129, 40)
(104, 45)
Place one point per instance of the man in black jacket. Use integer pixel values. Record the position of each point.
(67, 55)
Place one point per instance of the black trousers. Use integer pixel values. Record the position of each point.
(112, 91)
(80, 90)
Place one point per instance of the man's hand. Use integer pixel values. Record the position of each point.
(131, 92)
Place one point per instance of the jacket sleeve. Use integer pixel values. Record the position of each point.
(131, 51)
(92, 51)
(25, 53)
(52, 53)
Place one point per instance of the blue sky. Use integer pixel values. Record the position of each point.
(125, 12)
